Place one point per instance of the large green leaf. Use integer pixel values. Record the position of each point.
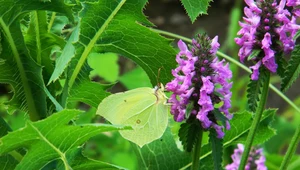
(194, 8)
(50, 139)
(19, 69)
(116, 26)
(161, 154)
(292, 71)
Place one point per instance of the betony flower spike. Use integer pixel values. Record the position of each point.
(268, 27)
(201, 81)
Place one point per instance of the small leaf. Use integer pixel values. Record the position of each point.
(254, 90)
(50, 139)
(296, 36)
(217, 149)
(282, 63)
(195, 8)
(253, 54)
(188, 134)
(292, 71)
(219, 116)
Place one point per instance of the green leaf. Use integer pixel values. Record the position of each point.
(194, 8)
(50, 139)
(20, 70)
(66, 55)
(4, 127)
(161, 154)
(104, 65)
(187, 134)
(217, 149)
(91, 93)
(8, 162)
(292, 71)
(297, 35)
(253, 54)
(100, 31)
(254, 90)
(264, 131)
(282, 63)
(80, 162)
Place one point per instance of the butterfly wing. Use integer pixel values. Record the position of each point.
(142, 109)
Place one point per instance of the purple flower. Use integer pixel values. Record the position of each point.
(256, 159)
(200, 81)
(270, 28)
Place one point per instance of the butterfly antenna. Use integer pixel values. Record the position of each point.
(157, 78)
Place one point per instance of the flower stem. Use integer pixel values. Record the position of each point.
(196, 152)
(257, 117)
(291, 149)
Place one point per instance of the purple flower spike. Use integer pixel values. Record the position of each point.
(199, 77)
(256, 159)
(270, 28)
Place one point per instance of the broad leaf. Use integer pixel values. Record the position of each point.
(8, 162)
(254, 90)
(217, 149)
(194, 8)
(50, 139)
(100, 31)
(91, 93)
(161, 154)
(80, 162)
(292, 71)
(20, 70)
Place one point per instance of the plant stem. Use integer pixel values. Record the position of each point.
(196, 152)
(257, 117)
(291, 149)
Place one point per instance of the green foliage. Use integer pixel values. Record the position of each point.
(217, 149)
(187, 134)
(50, 139)
(108, 36)
(161, 154)
(194, 8)
(7, 162)
(20, 70)
(254, 89)
(292, 71)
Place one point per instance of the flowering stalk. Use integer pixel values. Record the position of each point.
(258, 115)
(200, 82)
(256, 159)
(268, 29)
